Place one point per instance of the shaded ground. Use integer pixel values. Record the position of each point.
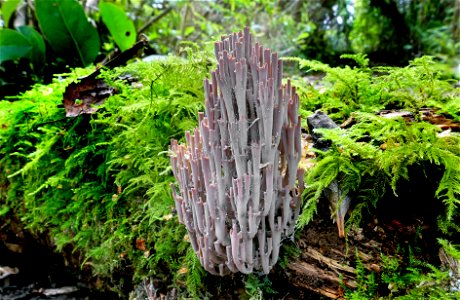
(29, 269)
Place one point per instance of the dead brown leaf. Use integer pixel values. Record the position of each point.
(85, 96)
(140, 244)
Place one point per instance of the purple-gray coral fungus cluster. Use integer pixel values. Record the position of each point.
(237, 172)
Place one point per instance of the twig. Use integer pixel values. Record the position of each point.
(329, 261)
(153, 20)
(324, 280)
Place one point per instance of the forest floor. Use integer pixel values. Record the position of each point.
(30, 269)
(326, 266)
(323, 266)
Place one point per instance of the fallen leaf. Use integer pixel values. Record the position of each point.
(7, 271)
(140, 244)
(85, 96)
(16, 248)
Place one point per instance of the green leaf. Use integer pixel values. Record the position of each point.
(8, 8)
(120, 26)
(67, 29)
(188, 31)
(13, 45)
(35, 39)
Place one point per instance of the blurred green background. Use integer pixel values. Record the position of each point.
(45, 37)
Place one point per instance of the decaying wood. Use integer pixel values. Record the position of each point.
(327, 264)
(319, 276)
(325, 275)
(453, 265)
(429, 115)
(331, 263)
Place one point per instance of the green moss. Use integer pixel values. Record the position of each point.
(100, 183)
(375, 153)
(403, 276)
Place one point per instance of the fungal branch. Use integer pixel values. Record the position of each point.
(238, 183)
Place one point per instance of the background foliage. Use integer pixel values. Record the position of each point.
(75, 33)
